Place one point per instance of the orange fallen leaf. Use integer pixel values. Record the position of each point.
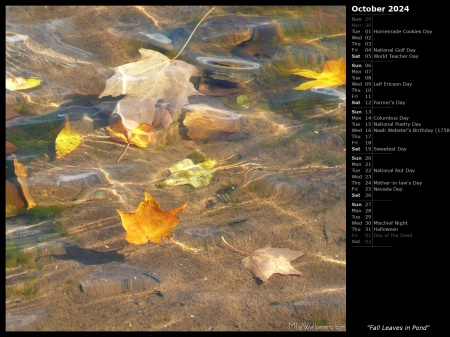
(17, 195)
(149, 222)
(332, 76)
(141, 136)
(14, 202)
(21, 174)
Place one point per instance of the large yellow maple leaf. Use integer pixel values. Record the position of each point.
(149, 222)
(332, 76)
(156, 88)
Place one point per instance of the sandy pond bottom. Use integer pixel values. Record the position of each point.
(91, 278)
(273, 188)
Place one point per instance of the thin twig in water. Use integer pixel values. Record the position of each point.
(232, 248)
(123, 153)
(142, 10)
(198, 24)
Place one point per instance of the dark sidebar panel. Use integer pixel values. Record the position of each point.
(397, 144)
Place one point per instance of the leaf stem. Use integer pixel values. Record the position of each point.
(123, 152)
(198, 24)
(232, 248)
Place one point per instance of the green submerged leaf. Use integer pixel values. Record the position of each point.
(243, 101)
(186, 172)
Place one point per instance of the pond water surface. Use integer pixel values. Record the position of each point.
(258, 163)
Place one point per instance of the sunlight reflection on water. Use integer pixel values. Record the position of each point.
(281, 152)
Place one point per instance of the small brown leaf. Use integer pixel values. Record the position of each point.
(10, 148)
(265, 262)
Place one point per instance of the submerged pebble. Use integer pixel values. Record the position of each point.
(206, 123)
(49, 188)
(159, 40)
(233, 70)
